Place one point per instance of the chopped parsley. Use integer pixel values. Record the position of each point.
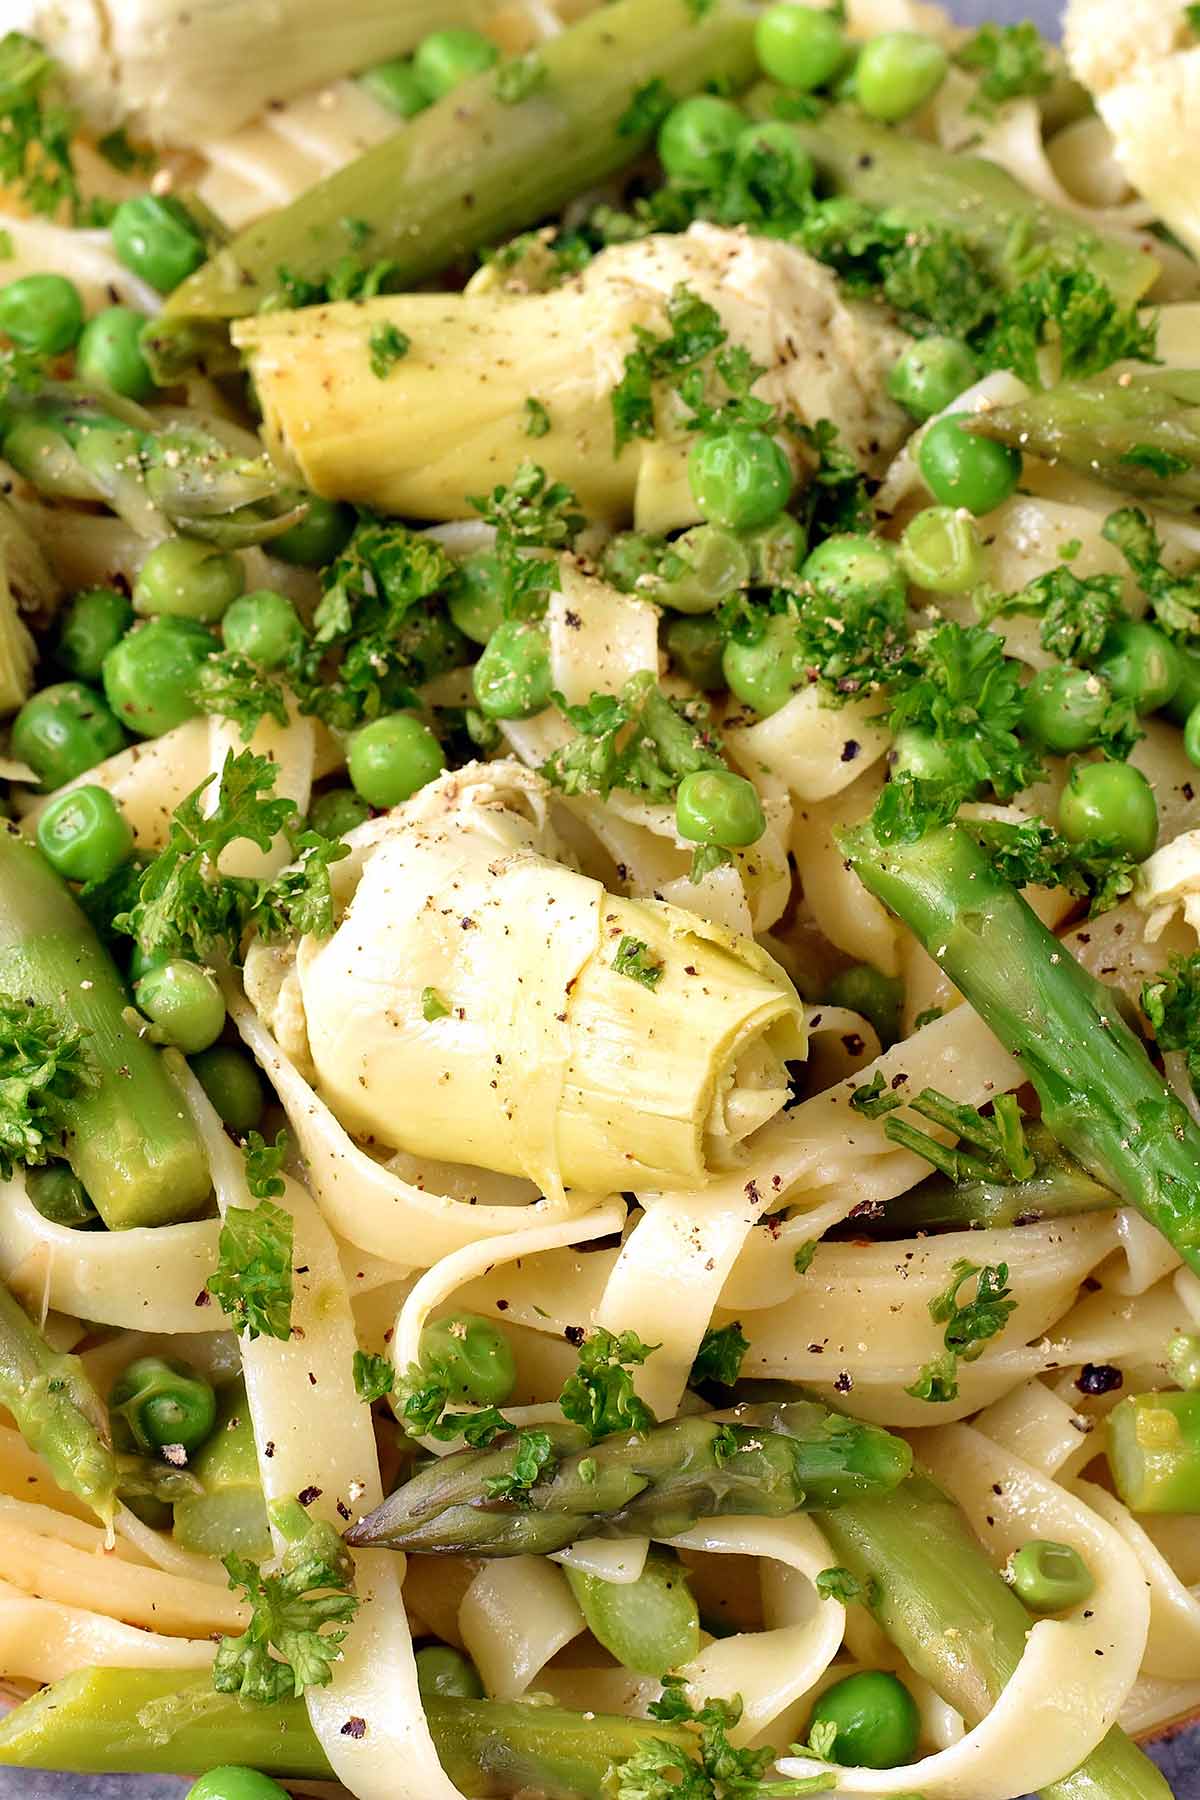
(695, 333)
(1160, 462)
(1012, 60)
(531, 512)
(1075, 614)
(1174, 599)
(36, 129)
(374, 1376)
(662, 1770)
(600, 1394)
(433, 1006)
(534, 1457)
(264, 1164)
(517, 80)
(802, 1259)
(235, 688)
(638, 740)
(720, 1356)
(968, 1327)
(648, 107)
(1074, 309)
(288, 1646)
(387, 345)
(253, 1282)
(537, 418)
(43, 1067)
(636, 960)
(840, 1584)
(1172, 1005)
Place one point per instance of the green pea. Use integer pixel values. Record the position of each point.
(629, 557)
(446, 58)
(878, 997)
(1110, 804)
(472, 1356)
(740, 478)
(185, 1002)
(149, 675)
(512, 678)
(697, 138)
(163, 1403)
(157, 238)
(476, 604)
(1140, 664)
(876, 1718)
(183, 578)
(109, 354)
(231, 1783)
(696, 646)
(142, 961)
(940, 551)
(1064, 709)
(1191, 735)
(800, 46)
(230, 1079)
(1186, 697)
(713, 564)
(930, 374)
(337, 811)
(960, 469)
(263, 626)
(1049, 1577)
(396, 85)
(919, 753)
(64, 730)
(42, 313)
(446, 1674)
(392, 757)
(84, 834)
(59, 1195)
(897, 72)
(95, 621)
(777, 551)
(765, 674)
(854, 565)
(715, 806)
(316, 539)
(773, 166)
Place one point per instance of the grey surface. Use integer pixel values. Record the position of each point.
(1180, 1757)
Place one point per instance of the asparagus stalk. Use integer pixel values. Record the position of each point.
(1005, 225)
(958, 1623)
(1057, 1189)
(771, 1461)
(1100, 1095)
(162, 1722)
(1154, 1452)
(473, 170)
(1140, 433)
(56, 1410)
(129, 1137)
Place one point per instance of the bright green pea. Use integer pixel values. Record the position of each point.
(472, 1356)
(476, 604)
(42, 313)
(446, 1674)
(1191, 735)
(231, 1783)
(878, 997)
(1064, 709)
(854, 565)
(163, 1403)
(64, 730)
(263, 626)
(445, 58)
(1140, 664)
(149, 675)
(1110, 804)
(930, 374)
(392, 757)
(800, 46)
(185, 1002)
(84, 834)
(183, 578)
(876, 1718)
(715, 806)
(773, 166)
(695, 646)
(109, 354)
(897, 72)
(396, 85)
(91, 625)
(512, 678)
(960, 469)
(918, 753)
(230, 1079)
(142, 961)
(1049, 1577)
(740, 478)
(713, 564)
(337, 811)
(157, 238)
(320, 536)
(630, 557)
(697, 139)
(940, 551)
(766, 673)
(59, 1195)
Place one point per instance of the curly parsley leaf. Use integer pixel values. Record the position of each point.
(929, 274)
(1074, 309)
(264, 1164)
(233, 687)
(531, 512)
(36, 130)
(253, 1282)
(968, 1327)
(720, 1356)
(840, 1584)
(600, 1394)
(387, 346)
(1075, 613)
(373, 1376)
(534, 1457)
(695, 333)
(43, 1067)
(1172, 1005)
(1174, 599)
(722, 1771)
(1013, 61)
(288, 1645)
(639, 741)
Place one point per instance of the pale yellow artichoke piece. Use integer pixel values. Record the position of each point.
(26, 585)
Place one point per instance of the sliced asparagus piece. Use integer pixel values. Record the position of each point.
(129, 1137)
(473, 170)
(1100, 1095)
(1139, 433)
(1154, 1452)
(957, 1199)
(56, 1409)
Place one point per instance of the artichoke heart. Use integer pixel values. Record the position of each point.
(481, 1001)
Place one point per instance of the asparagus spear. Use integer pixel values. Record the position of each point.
(1154, 1452)
(162, 1722)
(1057, 1189)
(770, 1461)
(1003, 223)
(1139, 433)
(56, 1409)
(129, 1137)
(1100, 1095)
(472, 170)
(958, 1623)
